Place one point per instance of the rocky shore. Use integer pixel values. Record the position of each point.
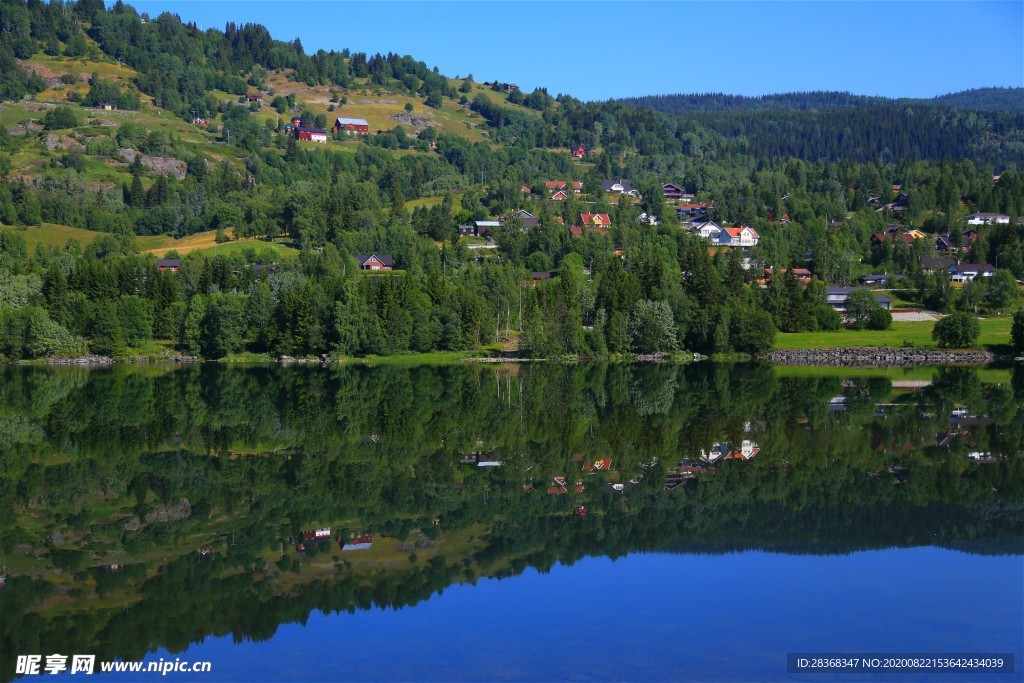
(880, 357)
(80, 360)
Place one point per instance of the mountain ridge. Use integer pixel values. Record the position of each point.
(976, 99)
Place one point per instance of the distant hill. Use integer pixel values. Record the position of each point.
(978, 99)
(984, 99)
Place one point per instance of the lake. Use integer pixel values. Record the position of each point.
(528, 522)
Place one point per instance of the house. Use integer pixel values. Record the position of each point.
(644, 219)
(171, 264)
(672, 191)
(717, 450)
(879, 237)
(878, 279)
(200, 121)
(296, 121)
(537, 276)
(932, 265)
(526, 189)
(603, 464)
(836, 298)
(374, 261)
(965, 272)
(559, 196)
(945, 243)
(317, 534)
(351, 125)
(467, 230)
(988, 219)
(747, 450)
(554, 186)
(579, 151)
(592, 222)
(740, 236)
(258, 97)
(693, 209)
(620, 186)
(311, 134)
(708, 230)
(801, 274)
(970, 235)
(364, 542)
(107, 106)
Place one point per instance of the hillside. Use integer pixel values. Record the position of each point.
(143, 138)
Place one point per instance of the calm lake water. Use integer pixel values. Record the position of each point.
(510, 523)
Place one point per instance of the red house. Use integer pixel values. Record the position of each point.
(171, 264)
(555, 185)
(595, 222)
(579, 152)
(374, 261)
(311, 134)
(351, 125)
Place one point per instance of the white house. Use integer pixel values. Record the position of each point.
(965, 272)
(709, 230)
(988, 219)
(620, 186)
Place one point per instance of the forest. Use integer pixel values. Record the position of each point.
(636, 288)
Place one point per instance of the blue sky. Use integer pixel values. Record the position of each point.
(599, 50)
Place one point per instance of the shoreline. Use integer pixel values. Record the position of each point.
(883, 357)
(827, 357)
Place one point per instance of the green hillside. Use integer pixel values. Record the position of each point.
(144, 138)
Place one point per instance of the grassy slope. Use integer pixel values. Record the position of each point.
(52, 235)
(371, 103)
(377, 106)
(995, 332)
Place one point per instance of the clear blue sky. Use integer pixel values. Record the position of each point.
(599, 50)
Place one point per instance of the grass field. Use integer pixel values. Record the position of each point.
(52, 235)
(995, 332)
(207, 242)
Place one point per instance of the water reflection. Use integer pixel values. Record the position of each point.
(153, 507)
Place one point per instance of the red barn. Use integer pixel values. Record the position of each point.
(351, 125)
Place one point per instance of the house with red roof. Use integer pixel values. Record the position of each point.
(739, 236)
(556, 185)
(591, 222)
(604, 464)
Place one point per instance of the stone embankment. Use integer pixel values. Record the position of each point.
(81, 360)
(880, 357)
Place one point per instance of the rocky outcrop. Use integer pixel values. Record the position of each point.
(411, 119)
(170, 513)
(879, 357)
(158, 165)
(81, 360)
